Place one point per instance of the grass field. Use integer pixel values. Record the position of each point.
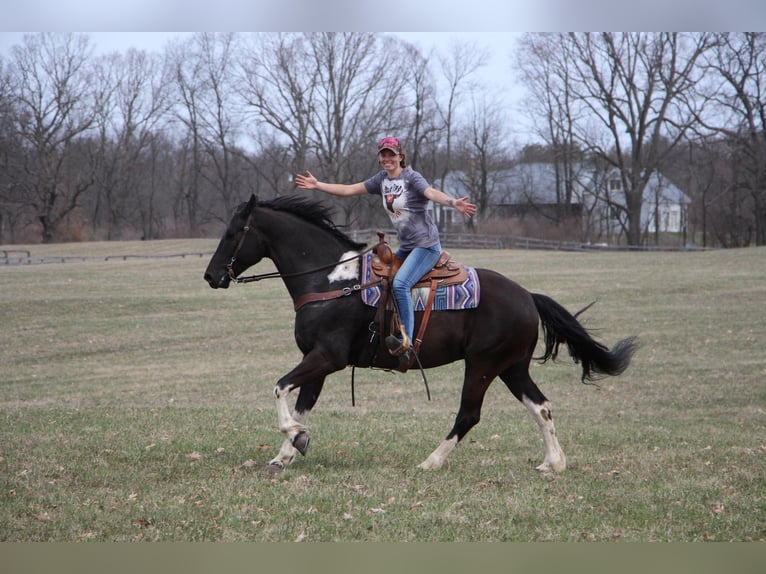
(136, 404)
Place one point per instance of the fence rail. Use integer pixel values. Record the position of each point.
(448, 240)
(27, 259)
(478, 241)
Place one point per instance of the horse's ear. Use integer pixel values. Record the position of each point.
(251, 202)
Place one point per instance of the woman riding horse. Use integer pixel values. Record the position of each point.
(320, 264)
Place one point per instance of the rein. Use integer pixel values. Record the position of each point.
(277, 274)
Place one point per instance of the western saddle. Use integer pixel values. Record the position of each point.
(384, 266)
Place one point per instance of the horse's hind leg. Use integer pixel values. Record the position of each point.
(519, 382)
(475, 386)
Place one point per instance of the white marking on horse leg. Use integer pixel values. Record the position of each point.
(287, 452)
(555, 460)
(437, 458)
(345, 271)
(287, 423)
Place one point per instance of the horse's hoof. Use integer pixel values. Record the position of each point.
(301, 442)
(428, 464)
(274, 467)
(550, 468)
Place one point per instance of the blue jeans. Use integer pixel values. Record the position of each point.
(417, 263)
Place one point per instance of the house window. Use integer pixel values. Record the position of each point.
(674, 221)
(615, 185)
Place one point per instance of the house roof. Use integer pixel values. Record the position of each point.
(531, 183)
(661, 187)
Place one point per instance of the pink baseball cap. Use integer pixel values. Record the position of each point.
(390, 143)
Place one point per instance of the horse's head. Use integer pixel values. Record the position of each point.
(238, 249)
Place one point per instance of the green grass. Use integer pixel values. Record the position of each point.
(136, 404)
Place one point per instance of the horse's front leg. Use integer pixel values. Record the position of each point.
(309, 377)
(294, 428)
(287, 452)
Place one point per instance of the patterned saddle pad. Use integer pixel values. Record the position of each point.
(448, 298)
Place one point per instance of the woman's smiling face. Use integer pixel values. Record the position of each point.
(388, 159)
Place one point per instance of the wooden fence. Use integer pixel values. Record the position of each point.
(448, 241)
(15, 257)
(478, 241)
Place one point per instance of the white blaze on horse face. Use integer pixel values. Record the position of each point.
(346, 271)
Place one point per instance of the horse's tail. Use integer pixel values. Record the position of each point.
(560, 326)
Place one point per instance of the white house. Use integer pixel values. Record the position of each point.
(664, 206)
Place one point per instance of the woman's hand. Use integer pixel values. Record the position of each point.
(464, 207)
(307, 181)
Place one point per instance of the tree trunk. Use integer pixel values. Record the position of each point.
(633, 201)
(760, 221)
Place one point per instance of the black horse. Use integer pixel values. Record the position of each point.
(319, 263)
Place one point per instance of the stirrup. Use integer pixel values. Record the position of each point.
(406, 360)
(396, 347)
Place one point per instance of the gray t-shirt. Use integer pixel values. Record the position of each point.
(406, 206)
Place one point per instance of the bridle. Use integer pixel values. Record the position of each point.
(277, 274)
(245, 229)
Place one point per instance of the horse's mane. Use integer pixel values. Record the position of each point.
(312, 212)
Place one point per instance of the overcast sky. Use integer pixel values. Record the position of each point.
(372, 15)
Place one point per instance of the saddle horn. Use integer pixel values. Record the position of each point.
(383, 250)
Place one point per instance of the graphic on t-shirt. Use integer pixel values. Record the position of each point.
(394, 197)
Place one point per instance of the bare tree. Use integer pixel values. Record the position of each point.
(551, 106)
(222, 115)
(484, 147)
(209, 112)
(11, 160)
(739, 61)
(132, 110)
(629, 99)
(422, 129)
(53, 105)
(639, 87)
(458, 65)
(329, 94)
(278, 88)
